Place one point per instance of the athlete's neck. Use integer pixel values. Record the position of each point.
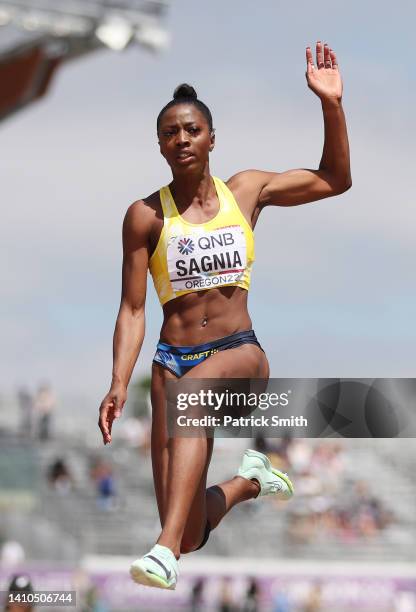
(193, 189)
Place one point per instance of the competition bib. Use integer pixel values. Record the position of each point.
(207, 259)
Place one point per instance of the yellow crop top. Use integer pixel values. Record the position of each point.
(198, 256)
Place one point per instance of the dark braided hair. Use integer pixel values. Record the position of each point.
(185, 93)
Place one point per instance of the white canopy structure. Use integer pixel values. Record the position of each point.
(36, 36)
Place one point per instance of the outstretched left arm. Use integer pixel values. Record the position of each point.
(333, 175)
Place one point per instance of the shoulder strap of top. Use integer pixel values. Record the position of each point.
(229, 201)
(168, 205)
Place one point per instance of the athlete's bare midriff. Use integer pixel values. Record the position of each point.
(204, 316)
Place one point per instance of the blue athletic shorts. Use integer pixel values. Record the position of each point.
(180, 359)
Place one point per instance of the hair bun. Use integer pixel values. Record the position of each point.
(184, 91)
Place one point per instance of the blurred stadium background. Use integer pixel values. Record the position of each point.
(74, 516)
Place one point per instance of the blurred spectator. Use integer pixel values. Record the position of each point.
(81, 583)
(329, 461)
(196, 602)
(102, 474)
(226, 603)
(19, 585)
(59, 477)
(44, 407)
(326, 503)
(88, 595)
(299, 454)
(251, 603)
(260, 444)
(277, 449)
(313, 601)
(25, 402)
(309, 483)
(281, 602)
(301, 527)
(366, 511)
(11, 554)
(93, 602)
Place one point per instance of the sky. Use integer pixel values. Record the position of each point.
(333, 291)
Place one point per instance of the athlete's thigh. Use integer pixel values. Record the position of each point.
(246, 361)
(160, 444)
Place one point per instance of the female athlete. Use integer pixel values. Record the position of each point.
(196, 238)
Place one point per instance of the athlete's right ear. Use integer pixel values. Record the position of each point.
(211, 148)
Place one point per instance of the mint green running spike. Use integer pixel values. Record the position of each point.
(159, 568)
(272, 481)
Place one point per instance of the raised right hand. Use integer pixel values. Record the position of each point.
(324, 79)
(111, 408)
